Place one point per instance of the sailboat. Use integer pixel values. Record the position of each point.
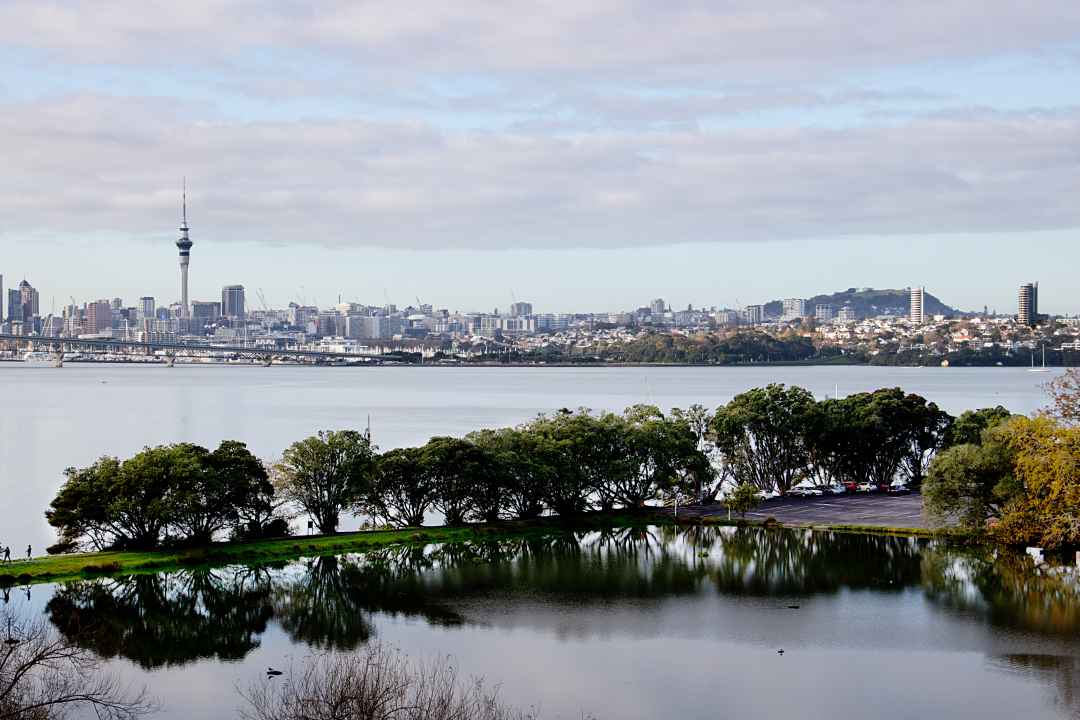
(1039, 369)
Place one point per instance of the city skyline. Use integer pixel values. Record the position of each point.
(584, 157)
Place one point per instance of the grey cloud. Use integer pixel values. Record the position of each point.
(688, 40)
(94, 164)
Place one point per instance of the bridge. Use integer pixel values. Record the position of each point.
(59, 347)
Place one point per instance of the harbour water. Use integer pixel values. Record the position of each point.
(56, 418)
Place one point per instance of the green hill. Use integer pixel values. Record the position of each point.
(869, 302)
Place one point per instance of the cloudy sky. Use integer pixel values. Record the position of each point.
(583, 155)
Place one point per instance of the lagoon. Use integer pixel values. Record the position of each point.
(628, 623)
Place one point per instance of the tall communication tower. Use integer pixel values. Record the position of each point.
(184, 244)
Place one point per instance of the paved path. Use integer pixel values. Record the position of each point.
(862, 509)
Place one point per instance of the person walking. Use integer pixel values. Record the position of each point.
(29, 554)
(7, 554)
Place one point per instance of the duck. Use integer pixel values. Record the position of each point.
(271, 672)
(780, 651)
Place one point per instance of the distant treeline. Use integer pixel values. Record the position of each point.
(564, 464)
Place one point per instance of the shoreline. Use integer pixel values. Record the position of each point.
(109, 563)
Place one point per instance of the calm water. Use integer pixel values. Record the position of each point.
(52, 419)
(624, 624)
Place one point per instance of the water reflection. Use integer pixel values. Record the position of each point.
(1008, 589)
(332, 602)
(166, 619)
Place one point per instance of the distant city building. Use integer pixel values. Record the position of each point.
(14, 306)
(204, 313)
(1028, 305)
(753, 314)
(915, 312)
(97, 318)
(521, 309)
(3, 317)
(147, 308)
(232, 301)
(824, 313)
(794, 308)
(22, 303)
(657, 306)
(847, 314)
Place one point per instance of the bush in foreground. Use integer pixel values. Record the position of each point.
(374, 684)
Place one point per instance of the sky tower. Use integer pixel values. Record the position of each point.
(184, 243)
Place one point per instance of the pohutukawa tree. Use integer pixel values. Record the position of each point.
(404, 488)
(327, 474)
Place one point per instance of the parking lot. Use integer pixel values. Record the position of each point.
(860, 509)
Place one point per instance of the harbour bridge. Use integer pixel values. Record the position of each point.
(58, 348)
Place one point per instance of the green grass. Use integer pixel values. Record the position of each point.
(56, 568)
(74, 566)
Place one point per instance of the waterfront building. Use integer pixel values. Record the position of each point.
(1028, 305)
(184, 245)
(915, 310)
(232, 301)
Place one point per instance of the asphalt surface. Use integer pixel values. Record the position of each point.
(859, 509)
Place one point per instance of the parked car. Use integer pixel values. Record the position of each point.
(899, 488)
(851, 486)
(804, 491)
(837, 489)
(867, 487)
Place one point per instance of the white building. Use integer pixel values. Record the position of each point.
(915, 313)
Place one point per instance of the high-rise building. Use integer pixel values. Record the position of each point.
(147, 308)
(657, 306)
(98, 317)
(205, 312)
(794, 308)
(521, 309)
(847, 314)
(915, 311)
(29, 298)
(184, 245)
(824, 312)
(232, 301)
(1028, 305)
(14, 306)
(753, 314)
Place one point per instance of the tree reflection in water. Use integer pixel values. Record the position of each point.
(331, 602)
(1007, 588)
(166, 619)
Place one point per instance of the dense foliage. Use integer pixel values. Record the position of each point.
(178, 493)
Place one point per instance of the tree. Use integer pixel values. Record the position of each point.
(451, 462)
(699, 420)
(1045, 508)
(44, 676)
(404, 487)
(970, 483)
(566, 455)
(522, 466)
(762, 434)
(326, 474)
(1065, 397)
(662, 455)
(744, 498)
(968, 428)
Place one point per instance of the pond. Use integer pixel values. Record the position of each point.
(628, 623)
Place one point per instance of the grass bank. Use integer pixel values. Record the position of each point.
(74, 566)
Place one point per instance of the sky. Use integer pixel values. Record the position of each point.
(581, 156)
